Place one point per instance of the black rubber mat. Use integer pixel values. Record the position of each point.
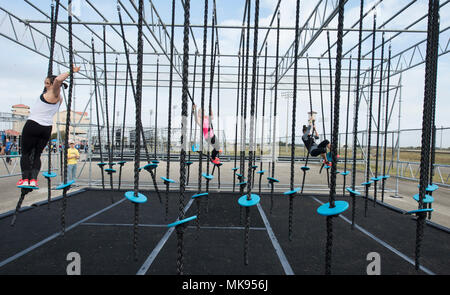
(99, 228)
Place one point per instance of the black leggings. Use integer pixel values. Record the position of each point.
(34, 139)
(319, 149)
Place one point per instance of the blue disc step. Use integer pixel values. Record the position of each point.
(109, 170)
(139, 199)
(430, 187)
(208, 176)
(182, 221)
(356, 193)
(367, 183)
(64, 185)
(49, 175)
(260, 171)
(235, 168)
(304, 168)
(428, 199)
(121, 162)
(195, 147)
(292, 191)
(345, 173)
(271, 179)
(254, 199)
(28, 187)
(339, 207)
(199, 195)
(167, 180)
(419, 211)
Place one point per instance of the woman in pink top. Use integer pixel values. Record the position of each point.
(208, 132)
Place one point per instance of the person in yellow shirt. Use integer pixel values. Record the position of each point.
(72, 159)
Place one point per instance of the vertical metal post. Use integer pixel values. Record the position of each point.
(398, 134)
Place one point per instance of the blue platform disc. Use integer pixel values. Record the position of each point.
(427, 199)
(101, 164)
(327, 167)
(260, 171)
(208, 176)
(155, 161)
(112, 164)
(27, 187)
(353, 192)
(167, 179)
(242, 183)
(430, 187)
(248, 203)
(239, 175)
(195, 147)
(386, 176)
(64, 185)
(235, 168)
(255, 166)
(189, 163)
(149, 166)
(345, 173)
(325, 210)
(376, 178)
(110, 170)
(49, 175)
(139, 199)
(182, 221)
(272, 179)
(367, 183)
(121, 162)
(292, 191)
(420, 210)
(305, 168)
(199, 195)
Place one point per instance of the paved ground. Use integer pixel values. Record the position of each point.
(9, 194)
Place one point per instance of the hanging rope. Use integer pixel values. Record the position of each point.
(205, 38)
(54, 25)
(141, 133)
(304, 169)
(137, 147)
(122, 131)
(346, 123)
(277, 55)
(386, 122)
(429, 98)
(66, 139)
(108, 142)
(184, 114)
(237, 116)
(337, 95)
(355, 120)
(369, 132)
(114, 120)
(156, 108)
(251, 145)
(378, 123)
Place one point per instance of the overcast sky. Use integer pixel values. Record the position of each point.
(23, 71)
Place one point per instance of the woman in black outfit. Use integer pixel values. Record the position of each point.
(38, 128)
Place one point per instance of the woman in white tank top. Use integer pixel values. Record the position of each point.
(38, 128)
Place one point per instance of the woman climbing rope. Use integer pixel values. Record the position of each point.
(313, 148)
(208, 132)
(37, 129)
